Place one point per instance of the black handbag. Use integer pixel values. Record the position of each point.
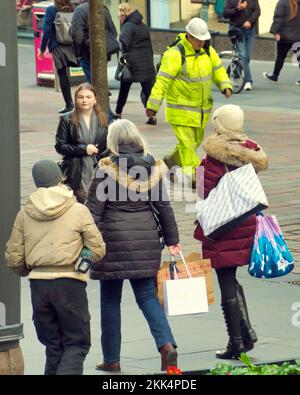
(123, 72)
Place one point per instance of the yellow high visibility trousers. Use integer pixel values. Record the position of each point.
(184, 153)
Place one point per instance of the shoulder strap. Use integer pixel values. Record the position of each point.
(182, 52)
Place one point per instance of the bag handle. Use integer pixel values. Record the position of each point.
(185, 265)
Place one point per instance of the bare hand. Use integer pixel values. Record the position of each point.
(40, 55)
(175, 249)
(247, 25)
(91, 149)
(150, 113)
(228, 92)
(241, 6)
(277, 37)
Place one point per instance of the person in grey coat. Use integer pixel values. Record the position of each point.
(118, 199)
(81, 36)
(286, 30)
(136, 49)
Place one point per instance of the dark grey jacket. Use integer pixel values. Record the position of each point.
(80, 32)
(238, 17)
(127, 224)
(136, 47)
(289, 29)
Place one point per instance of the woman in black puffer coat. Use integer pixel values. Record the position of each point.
(136, 49)
(118, 199)
(286, 30)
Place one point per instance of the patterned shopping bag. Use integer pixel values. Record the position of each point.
(238, 195)
(270, 255)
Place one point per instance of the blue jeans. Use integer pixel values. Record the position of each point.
(86, 67)
(244, 46)
(145, 294)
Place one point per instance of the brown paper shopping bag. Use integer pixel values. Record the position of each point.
(198, 267)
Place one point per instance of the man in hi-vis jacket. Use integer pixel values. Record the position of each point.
(185, 83)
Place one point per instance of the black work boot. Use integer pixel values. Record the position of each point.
(232, 315)
(248, 334)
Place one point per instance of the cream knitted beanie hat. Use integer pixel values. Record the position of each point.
(228, 119)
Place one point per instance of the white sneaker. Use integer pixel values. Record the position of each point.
(248, 86)
(297, 82)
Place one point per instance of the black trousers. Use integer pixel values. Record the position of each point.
(62, 323)
(227, 281)
(283, 48)
(124, 91)
(65, 86)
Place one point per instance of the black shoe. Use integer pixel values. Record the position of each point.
(151, 121)
(233, 350)
(66, 109)
(270, 77)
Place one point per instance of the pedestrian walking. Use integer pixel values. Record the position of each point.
(243, 16)
(127, 187)
(81, 140)
(230, 146)
(63, 55)
(136, 49)
(186, 86)
(81, 40)
(47, 238)
(286, 30)
(81, 36)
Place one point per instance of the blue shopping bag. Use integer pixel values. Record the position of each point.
(270, 255)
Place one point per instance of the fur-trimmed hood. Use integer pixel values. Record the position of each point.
(109, 167)
(236, 152)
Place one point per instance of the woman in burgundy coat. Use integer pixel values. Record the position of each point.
(230, 146)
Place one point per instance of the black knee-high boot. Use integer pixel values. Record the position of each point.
(248, 334)
(232, 315)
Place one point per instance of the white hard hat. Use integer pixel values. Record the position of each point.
(198, 28)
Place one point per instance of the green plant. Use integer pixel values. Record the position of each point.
(284, 369)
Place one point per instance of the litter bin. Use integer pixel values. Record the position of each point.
(45, 71)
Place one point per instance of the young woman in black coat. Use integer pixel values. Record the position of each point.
(136, 49)
(81, 140)
(118, 199)
(286, 30)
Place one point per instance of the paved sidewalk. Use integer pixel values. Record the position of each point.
(272, 117)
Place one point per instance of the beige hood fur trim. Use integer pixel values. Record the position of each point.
(233, 153)
(113, 171)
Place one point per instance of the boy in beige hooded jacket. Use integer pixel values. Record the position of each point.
(48, 236)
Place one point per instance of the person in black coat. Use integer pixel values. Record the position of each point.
(81, 140)
(286, 30)
(81, 36)
(136, 49)
(118, 199)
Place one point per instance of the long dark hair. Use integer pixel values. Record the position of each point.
(102, 117)
(294, 8)
(63, 4)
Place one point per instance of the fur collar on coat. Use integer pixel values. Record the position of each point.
(107, 166)
(230, 150)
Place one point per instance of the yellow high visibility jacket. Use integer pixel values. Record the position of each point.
(187, 88)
